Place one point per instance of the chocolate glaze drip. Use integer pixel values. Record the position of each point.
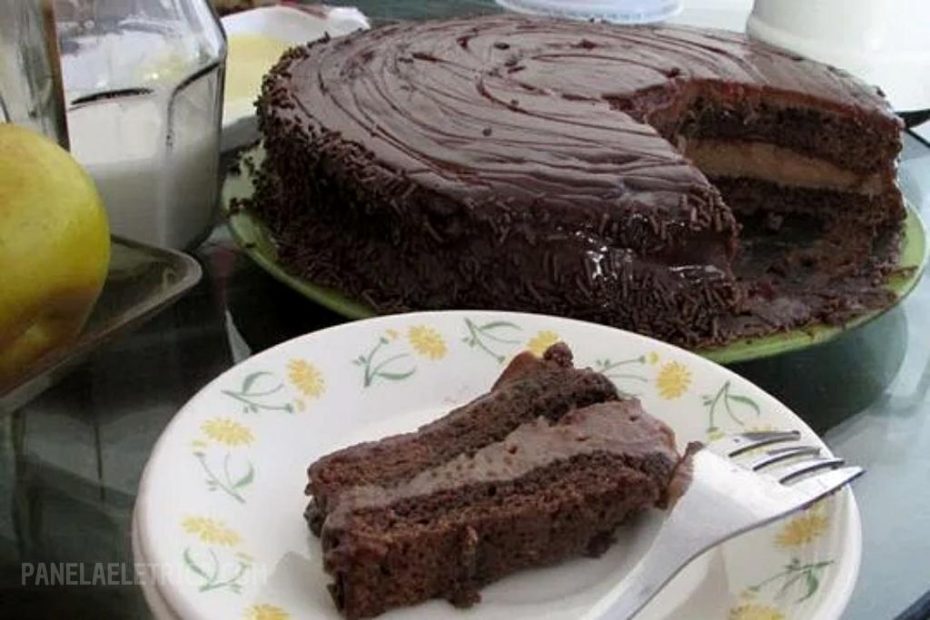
(520, 163)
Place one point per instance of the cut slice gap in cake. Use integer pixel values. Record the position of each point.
(814, 192)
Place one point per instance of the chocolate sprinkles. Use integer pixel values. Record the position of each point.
(486, 168)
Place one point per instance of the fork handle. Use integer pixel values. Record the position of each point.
(639, 588)
(627, 602)
(669, 554)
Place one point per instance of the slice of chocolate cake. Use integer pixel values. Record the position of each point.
(546, 492)
(529, 388)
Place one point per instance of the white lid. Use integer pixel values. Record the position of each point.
(618, 11)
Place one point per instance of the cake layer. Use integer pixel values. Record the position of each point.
(747, 196)
(529, 388)
(548, 491)
(805, 242)
(854, 133)
(778, 165)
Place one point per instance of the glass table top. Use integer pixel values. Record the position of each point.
(70, 460)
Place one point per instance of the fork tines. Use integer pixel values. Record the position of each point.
(797, 461)
(734, 445)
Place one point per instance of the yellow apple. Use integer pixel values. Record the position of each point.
(54, 248)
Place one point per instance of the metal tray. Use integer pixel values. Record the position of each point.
(142, 281)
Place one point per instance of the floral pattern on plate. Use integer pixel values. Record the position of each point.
(226, 467)
(212, 555)
(246, 451)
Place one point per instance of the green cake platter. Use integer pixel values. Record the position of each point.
(256, 241)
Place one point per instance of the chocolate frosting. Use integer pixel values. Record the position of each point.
(477, 107)
(533, 164)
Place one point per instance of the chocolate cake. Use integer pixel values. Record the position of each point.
(543, 467)
(546, 492)
(529, 388)
(688, 184)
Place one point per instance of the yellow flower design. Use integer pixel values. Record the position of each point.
(754, 611)
(653, 358)
(427, 342)
(673, 380)
(804, 528)
(306, 378)
(211, 531)
(263, 611)
(542, 341)
(227, 431)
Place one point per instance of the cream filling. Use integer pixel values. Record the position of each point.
(775, 164)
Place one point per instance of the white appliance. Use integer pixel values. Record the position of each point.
(884, 42)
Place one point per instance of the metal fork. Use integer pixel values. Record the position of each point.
(725, 499)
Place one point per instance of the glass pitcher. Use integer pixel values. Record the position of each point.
(143, 82)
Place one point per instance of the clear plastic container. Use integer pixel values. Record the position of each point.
(143, 82)
(616, 11)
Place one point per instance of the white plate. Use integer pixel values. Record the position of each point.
(221, 501)
(156, 602)
(288, 27)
